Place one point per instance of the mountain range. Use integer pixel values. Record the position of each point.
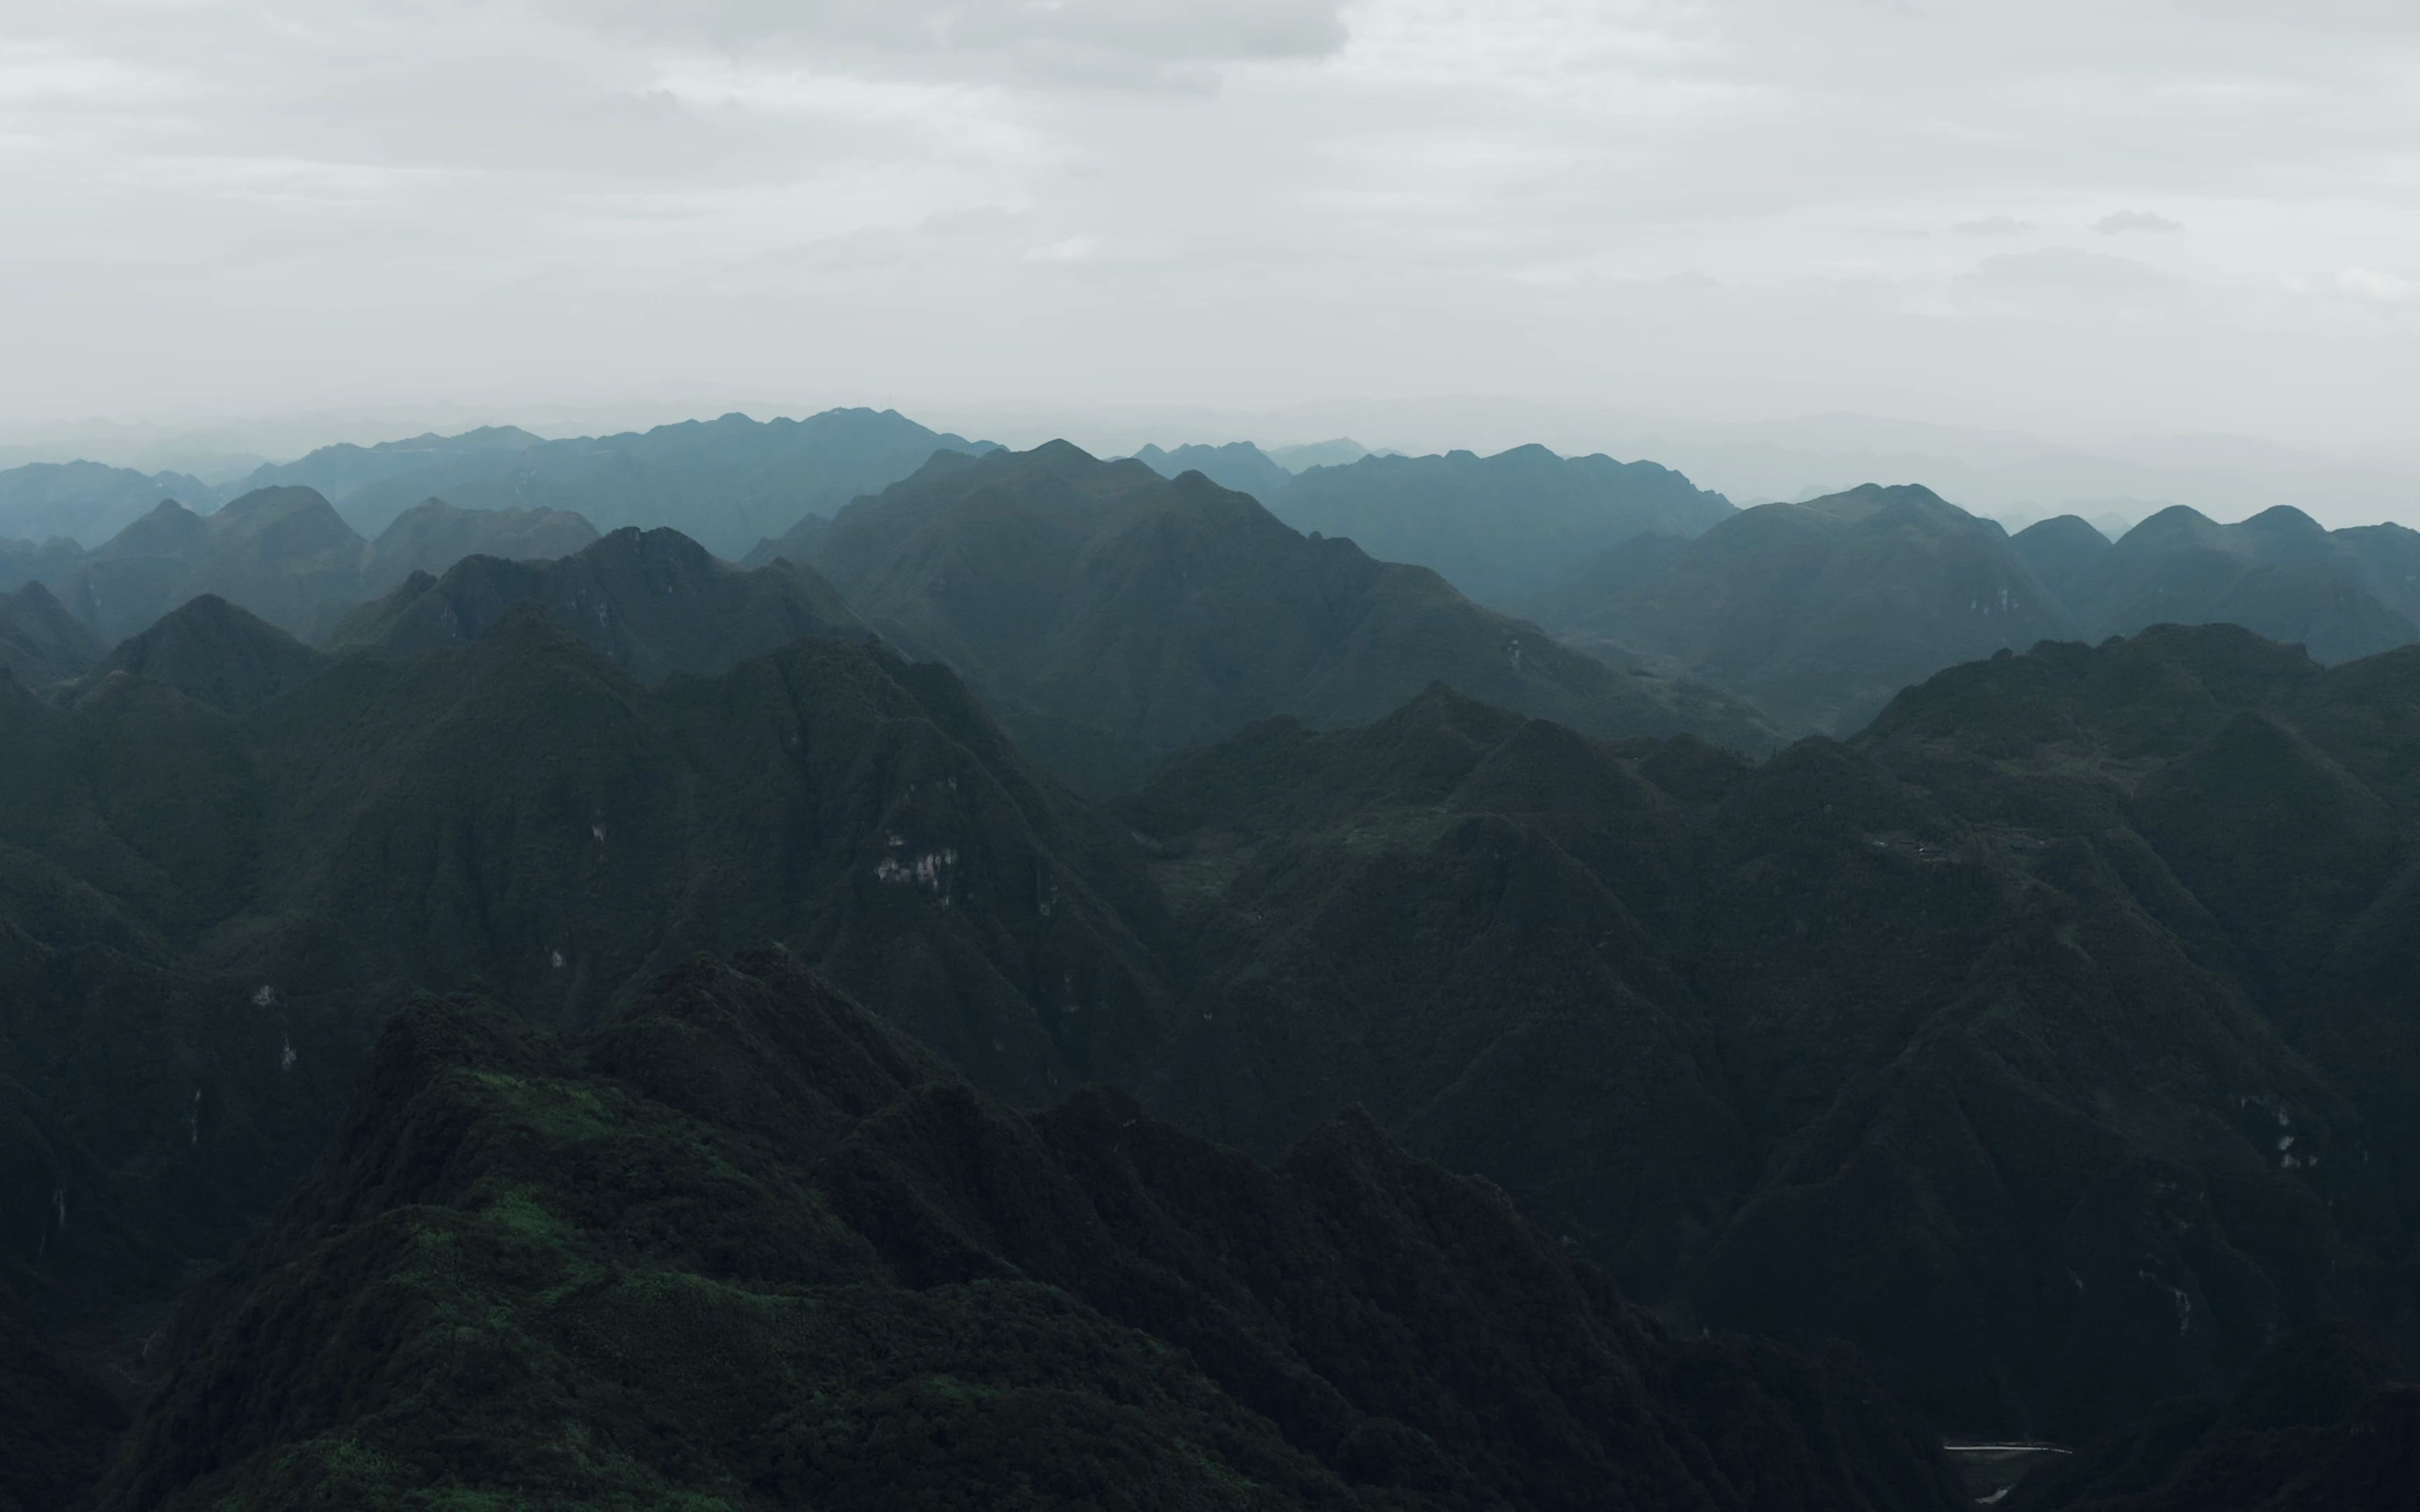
(1818, 612)
(1503, 528)
(86, 502)
(2126, 926)
(726, 483)
(624, 1027)
(282, 553)
(2044, 1041)
(1113, 617)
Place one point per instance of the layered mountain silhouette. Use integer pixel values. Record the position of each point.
(726, 483)
(2050, 1041)
(2342, 593)
(25, 562)
(2062, 550)
(344, 470)
(87, 502)
(1237, 465)
(283, 554)
(433, 535)
(654, 603)
(743, 1244)
(40, 641)
(1503, 529)
(1114, 616)
(1341, 451)
(1818, 612)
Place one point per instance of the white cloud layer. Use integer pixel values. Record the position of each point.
(1729, 208)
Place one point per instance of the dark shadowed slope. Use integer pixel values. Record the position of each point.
(216, 654)
(1114, 616)
(433, 535)
(2324, 1422)
(2342, 594)
(1503, 528)
(87, 501)
(726, 483)
(1237, 465)
(56, 1427)
(739, 1244)
(654, 603)
(203, 915)
(2051, 1042)
(39, 640)
(1819, 613)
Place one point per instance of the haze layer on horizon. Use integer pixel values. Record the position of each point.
(2087, 220)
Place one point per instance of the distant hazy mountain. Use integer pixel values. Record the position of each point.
(344, 470)
(1341, 451)
(433, 535)
(1819, 613)
(2063, 551)
(24, 562)
(87, 502)
(2342, 594)
(282, 553)
(652, 603)
(727, 483)
(1114, 616)
(1504, 528)
(1237, 465)
(39, 640)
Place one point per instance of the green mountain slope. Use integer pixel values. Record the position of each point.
(740, 1247)
(1114, 616)
(216, 654)
(204, 914)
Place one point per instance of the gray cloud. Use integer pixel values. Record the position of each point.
(255, 202)
(2071, 268)
(2120, 222)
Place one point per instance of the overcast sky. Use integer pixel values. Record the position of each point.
(2082, 217)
